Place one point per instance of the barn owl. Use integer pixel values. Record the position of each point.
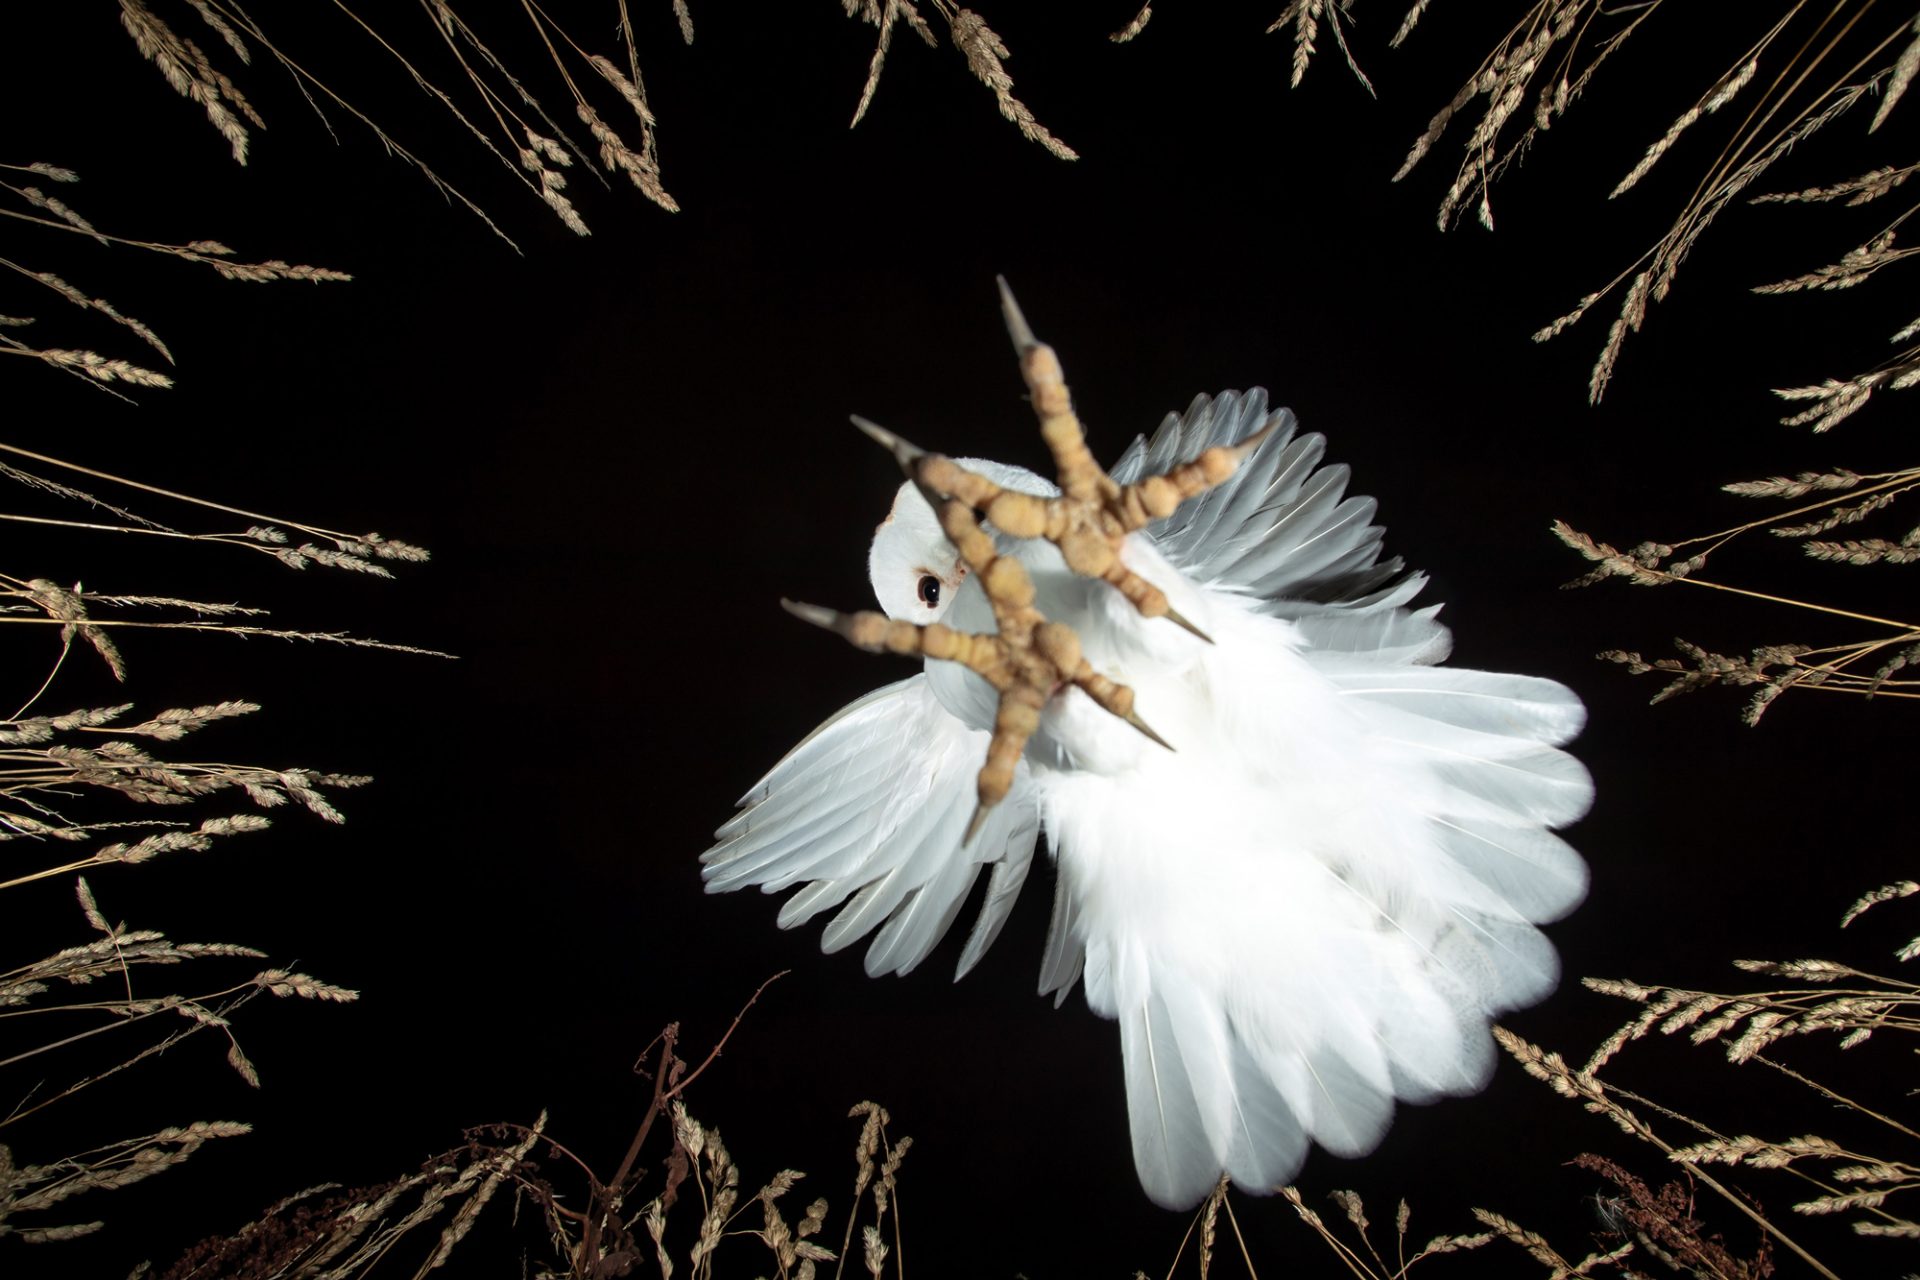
(1303, 893)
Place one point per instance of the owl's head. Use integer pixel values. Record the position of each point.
(915, 571)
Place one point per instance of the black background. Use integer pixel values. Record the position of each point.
(622, 450)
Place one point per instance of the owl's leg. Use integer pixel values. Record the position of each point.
(1030, 658)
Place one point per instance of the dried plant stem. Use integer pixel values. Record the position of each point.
(165, 1004)
(1566, 1081)
(80, 864)
(1889, 481)
(106, 528)
(1546, 45)
(1848, 497)
(446, 23)
(1354, 1263)
(207, 252)
(669, 1082)
(549, 187)
(269, 633)
(55, 284)
(229, 539)
(66, 647)
(1749, 130)
(449, 24)
(1741, 162)
(233, 14)
(1832, 1096)
(1716, 1138)
(22, 1110)
(1181, 1252)
(642, 167)
(330, 534)
(981, 46)
(1798, 604)
(1238, 1238)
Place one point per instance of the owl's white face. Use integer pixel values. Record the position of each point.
(915, 570)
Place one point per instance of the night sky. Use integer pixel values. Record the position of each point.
(623, 450)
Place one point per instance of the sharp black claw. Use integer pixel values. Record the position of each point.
(974, 824)
(1017, 327)
(1174, 616)
(1242, 451)
(818, 615)
(904, 452)
(1133, 718)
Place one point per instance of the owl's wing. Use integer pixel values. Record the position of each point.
(1281, 535)
(872, 806)
(1277, 530)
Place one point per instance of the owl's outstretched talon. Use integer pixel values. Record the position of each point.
(988, 656)
(1029, 658)
(1092, 519)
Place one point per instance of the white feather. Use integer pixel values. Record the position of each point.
(1309, 910)
(857, 816)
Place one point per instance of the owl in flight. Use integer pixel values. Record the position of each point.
(1303, 892)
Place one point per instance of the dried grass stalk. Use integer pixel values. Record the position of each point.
(977, 42)
(1869, 666)
(190, 72)
(1135, 26)
(1304, 17)
(984, 51)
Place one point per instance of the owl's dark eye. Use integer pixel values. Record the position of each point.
(929, 590)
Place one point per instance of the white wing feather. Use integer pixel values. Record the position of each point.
(1277, 529)
(871, 806)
